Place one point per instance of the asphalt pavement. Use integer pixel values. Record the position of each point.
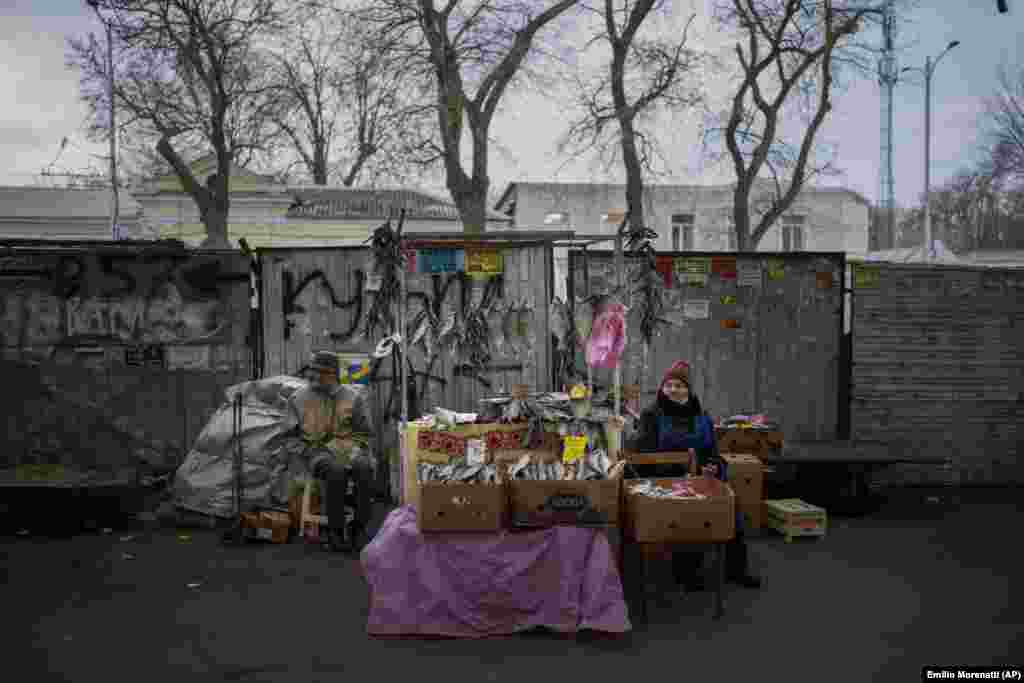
(917, 583)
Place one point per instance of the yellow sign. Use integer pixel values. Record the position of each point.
(866, 276)
(483, 263)
(728, 300)
(776, 269)
(574, 448)
(578, 392)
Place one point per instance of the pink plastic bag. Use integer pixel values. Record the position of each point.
(607, 336)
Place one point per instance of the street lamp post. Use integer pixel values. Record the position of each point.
(929, 70)
(116, 207)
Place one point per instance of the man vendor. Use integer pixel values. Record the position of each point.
(336, 424)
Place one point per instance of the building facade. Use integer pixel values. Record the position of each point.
(69, 214)
(693, 217)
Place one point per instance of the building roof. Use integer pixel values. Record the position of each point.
(317, 201)
(510, 188)
(62, 203)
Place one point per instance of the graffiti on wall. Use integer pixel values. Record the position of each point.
(127, 298)
(440, 294)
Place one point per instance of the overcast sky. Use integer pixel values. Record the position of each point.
(40, 102)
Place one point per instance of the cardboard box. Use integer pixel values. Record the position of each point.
(462, 507)
(746, 477)
(682, 520)
(752, 441)
(267, 525)
(550, 503)
(794, 518)
(410, 455)
(658, 458)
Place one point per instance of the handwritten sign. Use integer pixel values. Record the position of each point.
(728, 300)
(776, 269)
(573, 448)
(483, 263)
(866, 276)
(749, 274)
(697, 310)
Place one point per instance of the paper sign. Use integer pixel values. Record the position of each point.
(724, 267)
(695, 280)
(483, 263)
(696, 265)
(749, 274)
(776, 269)
(866, 276)
(374, 283)
(474, 452)
(574, 448)
(728, 300)
(697, 310)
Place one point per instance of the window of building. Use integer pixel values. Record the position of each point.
(793, 233)
(556, 218)
(682, 232)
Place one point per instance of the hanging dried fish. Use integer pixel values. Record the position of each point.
(583, 320)
(495, 327)
(561, 323)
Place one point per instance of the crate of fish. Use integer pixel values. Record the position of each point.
(545, 490)
(460, 497)
(682, 510)
(793, 518)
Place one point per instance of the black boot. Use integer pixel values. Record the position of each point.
(737, 569)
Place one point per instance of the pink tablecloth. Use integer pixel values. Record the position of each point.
(478, 585)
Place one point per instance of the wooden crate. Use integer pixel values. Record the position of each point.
(794, 518)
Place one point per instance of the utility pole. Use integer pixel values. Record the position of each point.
(115, 208)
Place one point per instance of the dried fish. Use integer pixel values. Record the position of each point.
(495, 326)
(560, 323)
(583, 319)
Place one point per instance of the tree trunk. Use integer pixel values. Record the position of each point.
(741, 217)
(216, 222)
(634, 175)
(472, 205)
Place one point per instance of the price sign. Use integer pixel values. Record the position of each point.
(573, 448)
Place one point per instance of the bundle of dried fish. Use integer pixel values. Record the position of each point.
(560, 323)
(457, 473)
(519, 328)
(583, 320)
(496, 328)
(386, 246)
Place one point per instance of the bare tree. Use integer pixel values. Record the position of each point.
(645, 75)
(352, 107)
(788, 54)
(188, 72)
(473, 51)
(1004, 112)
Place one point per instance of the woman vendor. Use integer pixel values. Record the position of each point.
(676, 422)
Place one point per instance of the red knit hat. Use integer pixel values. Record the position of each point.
(679, 370)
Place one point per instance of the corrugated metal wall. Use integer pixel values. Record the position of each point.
(938, 356)
(526, 278)
(781, 358)
(118, 354)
